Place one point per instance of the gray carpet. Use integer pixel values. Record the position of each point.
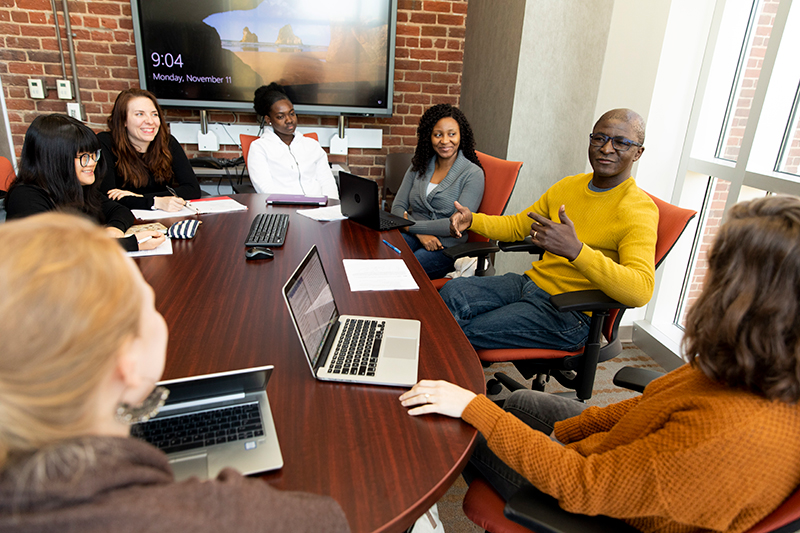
(604, 393)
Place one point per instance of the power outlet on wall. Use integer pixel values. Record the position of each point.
(75, 110)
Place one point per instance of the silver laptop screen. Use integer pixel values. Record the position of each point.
(311, 302)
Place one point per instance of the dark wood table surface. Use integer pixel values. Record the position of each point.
(355, 443)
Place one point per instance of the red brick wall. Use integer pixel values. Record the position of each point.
(430, 44)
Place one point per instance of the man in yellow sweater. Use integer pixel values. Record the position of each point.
(598, 231)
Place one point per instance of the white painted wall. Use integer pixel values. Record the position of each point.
(651, 65)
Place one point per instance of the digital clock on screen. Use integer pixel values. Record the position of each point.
(168, 60)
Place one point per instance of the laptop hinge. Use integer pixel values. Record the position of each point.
(204, 401)
(326, 348)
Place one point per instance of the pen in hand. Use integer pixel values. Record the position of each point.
(185, 203)
(396, 249)
(145, 239)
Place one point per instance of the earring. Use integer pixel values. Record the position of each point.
(146, 410)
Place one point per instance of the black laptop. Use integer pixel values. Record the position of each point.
(359, 202)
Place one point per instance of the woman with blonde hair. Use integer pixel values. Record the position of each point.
(711, 446)
(83, 347)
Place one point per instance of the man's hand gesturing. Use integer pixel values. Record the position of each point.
(557, 238)
(460, 221)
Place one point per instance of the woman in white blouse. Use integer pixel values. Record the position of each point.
(283, 161)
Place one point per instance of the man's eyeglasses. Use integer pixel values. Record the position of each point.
(620, 144)
(87, 157)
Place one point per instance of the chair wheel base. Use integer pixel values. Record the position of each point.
(539, 381)
(494, 387)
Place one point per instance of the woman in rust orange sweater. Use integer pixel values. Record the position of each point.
(711, 446)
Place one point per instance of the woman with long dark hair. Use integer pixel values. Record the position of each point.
(284, 161)
(145, 163)
(61, 158)
(711, 446)
(444, 170)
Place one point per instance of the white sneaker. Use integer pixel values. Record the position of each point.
(429, 522)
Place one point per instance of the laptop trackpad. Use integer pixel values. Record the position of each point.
(400, 347)
(186, 467)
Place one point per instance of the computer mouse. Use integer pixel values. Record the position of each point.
(258, 252)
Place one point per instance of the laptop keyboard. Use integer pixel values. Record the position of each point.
(389, 223)
(186, 432)
(268, 229)
(358, 348)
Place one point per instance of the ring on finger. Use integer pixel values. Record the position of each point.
(428, 398)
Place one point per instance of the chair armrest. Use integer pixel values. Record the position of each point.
(521, 246)
(541, 513)
(591, 300)
(471, 249)
(635, 379)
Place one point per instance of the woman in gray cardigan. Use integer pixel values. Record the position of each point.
(444, 169)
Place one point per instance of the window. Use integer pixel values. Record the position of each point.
(789, 162)
(743, 137)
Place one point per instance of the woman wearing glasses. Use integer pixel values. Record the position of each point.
(57, 171)
(83, 347)
(146, 166)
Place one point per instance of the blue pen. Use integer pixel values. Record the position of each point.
(395, 248)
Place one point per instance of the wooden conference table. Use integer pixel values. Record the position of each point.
(355, 443)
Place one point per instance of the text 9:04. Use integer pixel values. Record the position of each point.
(168, 60)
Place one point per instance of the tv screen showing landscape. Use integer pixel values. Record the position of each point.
(331, 56)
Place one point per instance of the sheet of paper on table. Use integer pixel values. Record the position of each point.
(165, 248)
(324, 214)
(203, 206)
(378, 275)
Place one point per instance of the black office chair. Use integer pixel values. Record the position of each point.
(395, 168)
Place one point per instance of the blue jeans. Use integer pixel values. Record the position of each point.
(537, 409)
(511, 311)
(436, 264)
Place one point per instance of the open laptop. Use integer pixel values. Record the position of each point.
(359, 202)
(331, 342)
(216, 421)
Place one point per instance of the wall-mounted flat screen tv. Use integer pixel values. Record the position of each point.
(331, 56)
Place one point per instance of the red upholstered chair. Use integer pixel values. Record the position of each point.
(576, 370)
(7, 174)
(501, 177)
(532, 510)
(246, 141)
(484, 506)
